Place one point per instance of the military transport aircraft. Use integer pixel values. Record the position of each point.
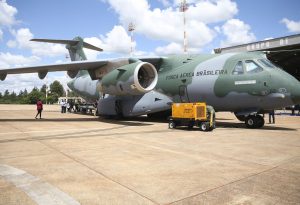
(247, 83)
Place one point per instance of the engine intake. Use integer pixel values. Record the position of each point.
(132, 79)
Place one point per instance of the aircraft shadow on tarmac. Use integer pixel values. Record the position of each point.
(242, 125)
(144, 121)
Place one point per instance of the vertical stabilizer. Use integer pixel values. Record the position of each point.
(75, 48)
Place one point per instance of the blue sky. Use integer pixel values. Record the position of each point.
(210, 24)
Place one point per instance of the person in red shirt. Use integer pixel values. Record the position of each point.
(39, 107)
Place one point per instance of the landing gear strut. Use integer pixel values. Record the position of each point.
(254, 121)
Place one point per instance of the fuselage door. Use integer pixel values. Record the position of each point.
(184, 97)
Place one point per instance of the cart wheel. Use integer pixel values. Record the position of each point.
(204, 126)
(172, 125)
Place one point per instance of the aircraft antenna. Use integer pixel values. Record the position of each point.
(183, 9)
(131, 28)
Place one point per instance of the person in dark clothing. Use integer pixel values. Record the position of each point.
(272, 115)
(39, 107)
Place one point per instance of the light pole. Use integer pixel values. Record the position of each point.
(183, 9)
(131, 28)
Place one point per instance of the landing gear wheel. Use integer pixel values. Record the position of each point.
(204, 126)
(260, 121)
(254, 121)
(251, 121)
(172, 125)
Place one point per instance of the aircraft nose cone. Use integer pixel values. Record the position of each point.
(296, 94)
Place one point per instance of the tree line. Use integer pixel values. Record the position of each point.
(55, 91)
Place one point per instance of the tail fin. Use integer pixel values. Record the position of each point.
(74, 46)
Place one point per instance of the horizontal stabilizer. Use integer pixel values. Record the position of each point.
(68, 42)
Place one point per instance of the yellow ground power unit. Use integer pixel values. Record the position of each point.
(192, 114)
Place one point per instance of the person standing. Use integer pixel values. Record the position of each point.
(272, 115)
(62, 102)
(39, 107)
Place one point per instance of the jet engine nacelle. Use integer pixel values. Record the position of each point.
(132, 79)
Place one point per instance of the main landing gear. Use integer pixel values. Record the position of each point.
(254, 121)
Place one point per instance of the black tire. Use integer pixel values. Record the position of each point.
(204, 126)
(212, 127)
(172, 125)
(260, 121)
(251, 122)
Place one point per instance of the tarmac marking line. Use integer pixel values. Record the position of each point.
(39, 191)
(78, 135)
(51, 131)
(100, 173)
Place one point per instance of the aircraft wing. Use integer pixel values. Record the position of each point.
(72, 68)
(93, 67)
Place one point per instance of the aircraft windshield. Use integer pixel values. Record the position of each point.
(252, 67)
(266, 63)
(238, 69)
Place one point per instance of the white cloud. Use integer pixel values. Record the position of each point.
(292, 26)
(172, 48)
(116, 41)
(7, 14)
(175, 48)
(212, 11)
(167, 24)
(237, 32)
(11, 44)
(8, 60)
(22, 40)
(1, 34)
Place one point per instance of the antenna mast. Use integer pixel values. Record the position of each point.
(183, 9)
(131, 28)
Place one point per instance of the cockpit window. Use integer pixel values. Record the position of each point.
(238, 69)
(252, 67)
(266, 63)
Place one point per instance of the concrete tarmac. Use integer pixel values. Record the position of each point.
(81, 159)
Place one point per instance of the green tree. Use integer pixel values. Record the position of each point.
(0, 95)
(33, 96)
(21, 94)
(13, 97)
(25, 92)
(57, 90)
(43, 89)
(6, 93)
